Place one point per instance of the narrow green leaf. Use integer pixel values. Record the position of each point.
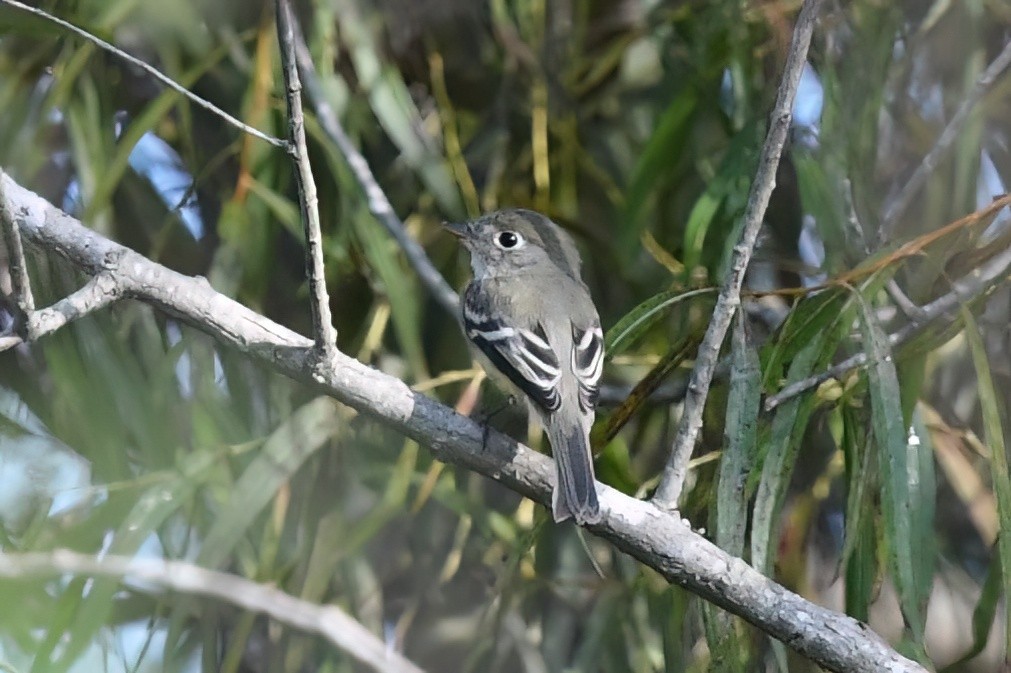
(279, 458)
(984, 614)
(728, 653)
(726, 196)
(861, 569)
(394, 108)
(655, 159)
(699, 219)
(739, 442)
(902, 485)
(994, 434)
(401, 290)
(725, 648)
(65, 642)
(679, 351)
(809, 317)
(280, 206)
(922, 507)
(634, 324)
(788, 427)
(284, 451)
(859, 463)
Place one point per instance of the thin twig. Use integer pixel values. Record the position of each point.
(963, 290)
(16, 263)
(903, 302)
(327, 621)
(729, 300)
(658, 538)
(149, 69)
(951, 131)
(379, 205)
(324, 334)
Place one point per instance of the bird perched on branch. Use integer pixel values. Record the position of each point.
(534, 328)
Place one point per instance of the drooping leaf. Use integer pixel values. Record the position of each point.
(903, 487)
(994, 434)
(730, 511)
(678, 352)
(634, 324)
(740, 442)
(283, 452)
(984, 614)
(780, 452)
(654, 160)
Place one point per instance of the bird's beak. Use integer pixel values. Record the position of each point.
(458, 229)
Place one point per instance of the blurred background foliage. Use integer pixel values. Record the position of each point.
(636, 124)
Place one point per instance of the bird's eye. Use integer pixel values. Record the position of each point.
(508, 240)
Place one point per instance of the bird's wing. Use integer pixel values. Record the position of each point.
(523, 354)
(588, 362)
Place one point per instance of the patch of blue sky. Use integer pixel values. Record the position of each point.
(988, 185)
(808, 104)
(154, 159)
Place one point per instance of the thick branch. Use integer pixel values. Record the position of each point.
(322, 323)
(656, 537)
(379, 204)
(729, 300)
(329, 621)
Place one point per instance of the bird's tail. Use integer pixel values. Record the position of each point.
(575, 495)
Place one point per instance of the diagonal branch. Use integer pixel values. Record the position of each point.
(729, 300)
(328, 621)
(951, 131)
(379, 205)
(656, 537)
(323, 331)
(964, 290)
(149, 69)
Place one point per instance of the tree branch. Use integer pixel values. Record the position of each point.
(729, 299)
(101, 291)
(379, 205)
(16, 263)
(329, 621)
(656, 537)
(323, 331)
(951, 131)
(963, 290)
(149, 69)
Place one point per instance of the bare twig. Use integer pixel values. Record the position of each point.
(963, 290)
(20, 283)
(379, 205)
(656, 537)
(324, 334)
(328, 621)
(904, 303)
(951, 131)
(149, 69)
(729, 300)
(99, 292)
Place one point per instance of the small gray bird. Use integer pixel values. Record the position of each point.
(535, 330)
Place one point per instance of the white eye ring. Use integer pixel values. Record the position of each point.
(509, 240)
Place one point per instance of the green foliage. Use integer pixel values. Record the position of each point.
(637, 126)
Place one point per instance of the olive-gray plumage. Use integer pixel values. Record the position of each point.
(535, 330)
